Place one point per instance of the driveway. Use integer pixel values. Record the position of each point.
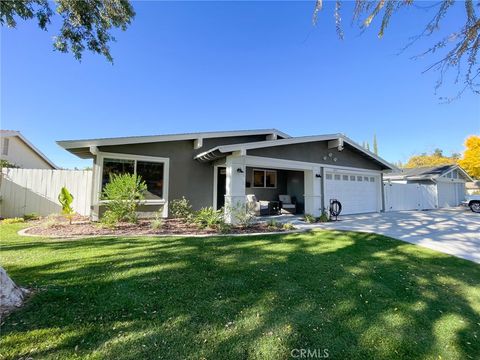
(454, 231)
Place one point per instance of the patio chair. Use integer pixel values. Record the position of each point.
(258, 207)
(287, 205)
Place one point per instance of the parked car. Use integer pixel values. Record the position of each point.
(473, 202)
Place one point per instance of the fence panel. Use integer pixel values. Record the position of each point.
(26, 191)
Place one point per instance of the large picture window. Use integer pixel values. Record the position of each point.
(264, 178)
(151, 172)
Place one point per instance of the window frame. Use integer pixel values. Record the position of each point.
(264, 179)
(5, 146)
(98, 170)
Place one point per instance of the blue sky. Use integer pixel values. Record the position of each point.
(199, 66)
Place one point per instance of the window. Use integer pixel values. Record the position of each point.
(337, 177)
(264, 178)
(372, 179)
(345, 177)
(359, 178)
(150, 171)
(352, 177)
(329, 176)
(365, 178)
(5, 144)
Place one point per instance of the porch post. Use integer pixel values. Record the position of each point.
(313, 197)
(235, 187)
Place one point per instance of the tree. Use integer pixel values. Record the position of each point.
(7, 164)
(368, 146)
(85, 24)
(375, 145)
(435, 159)
(471, 156)
(458, 50)
(11, 295)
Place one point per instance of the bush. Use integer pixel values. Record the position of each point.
(288, 226)
(31, 216)
(273, 224)
(245, 217)
(66, 199)
(123, 194)
(308, 218)
(13, 220)
(157, 223)
(180, 209)
(224, 228)
(324, 217)
(208, 217)
(50, 221)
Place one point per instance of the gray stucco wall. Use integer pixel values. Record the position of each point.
(188, 177)
(315, 151)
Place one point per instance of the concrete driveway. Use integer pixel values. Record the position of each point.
(454, 231)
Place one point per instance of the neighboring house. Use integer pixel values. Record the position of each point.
(472, 187)
(444, 185)
(17, 150)
(214, 168)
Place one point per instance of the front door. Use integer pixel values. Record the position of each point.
(221, 186)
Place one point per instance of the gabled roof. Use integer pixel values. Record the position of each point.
(425, 173)
(73, 145)
(222, 150)
(11, 133)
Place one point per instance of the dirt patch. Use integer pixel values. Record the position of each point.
(82, 226)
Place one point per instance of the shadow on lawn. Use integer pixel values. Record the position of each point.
(357, 295)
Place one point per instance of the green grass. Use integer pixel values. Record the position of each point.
(357, 295)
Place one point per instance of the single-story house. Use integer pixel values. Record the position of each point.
(218, 168)
(444, 186)
(17, 150)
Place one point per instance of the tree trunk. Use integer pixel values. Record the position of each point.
(11, 295)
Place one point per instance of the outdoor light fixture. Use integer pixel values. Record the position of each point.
(318, 175)
(240, 171)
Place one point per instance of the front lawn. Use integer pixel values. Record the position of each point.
(347, 295)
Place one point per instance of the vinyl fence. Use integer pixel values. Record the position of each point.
(25, 191)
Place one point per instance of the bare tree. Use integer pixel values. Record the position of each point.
(457, 51)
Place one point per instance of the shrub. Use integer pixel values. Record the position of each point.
(66, 199)
(324, 217)
(50, 221)
(14, 220)
(208, 217)
(288, 226)
(308, 218)
(123, 194)
(224, 228)
(243, 214)
(273, 224)
(31, 216)
(180, 209)
(157, 223)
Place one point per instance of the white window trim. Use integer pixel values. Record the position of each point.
(98, 172)
(264, 179)
(5, 146)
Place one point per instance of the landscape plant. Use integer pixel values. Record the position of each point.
(309, 218)
(65, 198)
(157, 223)
(180, 209)
(208, 218)
(243, 214)
(122, 196)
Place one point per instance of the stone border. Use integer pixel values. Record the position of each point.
(23, 232)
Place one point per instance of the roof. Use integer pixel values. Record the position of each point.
(222, 150)
(81, 147)
(425, 173)
(10, 133)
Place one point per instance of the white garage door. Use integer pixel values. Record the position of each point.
(450, 194)
(358, 193)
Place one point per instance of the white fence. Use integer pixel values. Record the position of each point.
(410, 197)
(25, 191)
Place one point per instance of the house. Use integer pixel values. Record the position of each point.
(218, 168)
(472, 187)
(17, 150)
(441, 186)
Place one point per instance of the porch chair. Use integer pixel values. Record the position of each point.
(287, 206)
(258, 207)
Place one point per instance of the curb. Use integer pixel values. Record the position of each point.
(23, 232)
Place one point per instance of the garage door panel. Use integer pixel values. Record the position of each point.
(357, 193)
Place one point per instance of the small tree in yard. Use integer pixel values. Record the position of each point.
(66, 200)
(123, 194)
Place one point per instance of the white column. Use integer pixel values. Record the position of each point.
(313, 196)
(235, 187)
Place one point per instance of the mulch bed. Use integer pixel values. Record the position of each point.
(82, 226)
